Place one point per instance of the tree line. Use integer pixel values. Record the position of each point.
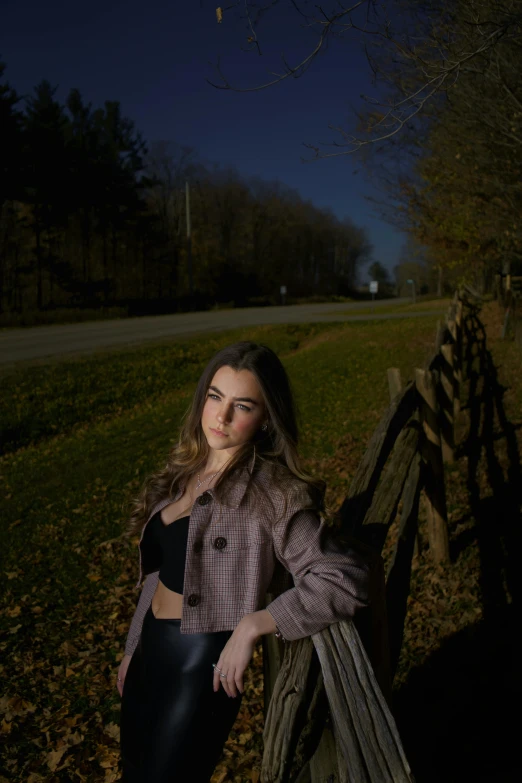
(92, 215)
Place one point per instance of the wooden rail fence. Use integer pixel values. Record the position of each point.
(328, 697)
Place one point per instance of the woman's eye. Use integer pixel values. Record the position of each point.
(217, 397)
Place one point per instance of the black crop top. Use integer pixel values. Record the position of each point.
(173, 541)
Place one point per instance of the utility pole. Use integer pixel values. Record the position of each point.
(189, 238)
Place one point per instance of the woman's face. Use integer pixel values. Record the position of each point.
(234, 409)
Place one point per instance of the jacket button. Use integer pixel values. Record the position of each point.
(198, 546)
(220, 543)
(204, 499)
(194, 599)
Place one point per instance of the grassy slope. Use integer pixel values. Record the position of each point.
(435, 306)
(59, 397)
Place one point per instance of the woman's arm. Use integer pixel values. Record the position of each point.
(148, 590)
(331, 582)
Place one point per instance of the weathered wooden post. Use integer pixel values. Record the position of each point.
(395, 387)
(431, 451)
(447, 423)
(451, 322)
(368, 744)
(399, 570)
(458, 359)
(394, 382)
(441, 334)
(454, 322)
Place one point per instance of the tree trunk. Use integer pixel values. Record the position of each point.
(143, 269)
(104, 246)
(114, 248)
(85, 245)
(39, 265)
(439, 282)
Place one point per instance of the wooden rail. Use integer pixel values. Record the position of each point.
(328, 697)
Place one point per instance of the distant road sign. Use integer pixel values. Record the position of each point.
(282, 289)
(374, 287)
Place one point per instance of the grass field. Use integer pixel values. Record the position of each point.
(78, 440)
(430, 306)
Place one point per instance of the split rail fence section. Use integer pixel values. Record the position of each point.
(328, 697)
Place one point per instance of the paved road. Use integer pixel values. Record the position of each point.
(39, 344)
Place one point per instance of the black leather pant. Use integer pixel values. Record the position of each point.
(173, 725)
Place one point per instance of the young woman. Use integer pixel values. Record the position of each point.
(230, 517)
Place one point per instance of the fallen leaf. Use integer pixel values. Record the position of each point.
(54, 757)
(74, 739)
(113, 730)
(20, 706)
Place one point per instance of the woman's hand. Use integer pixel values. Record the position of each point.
(235, 657)
(237, 652)
(122, 671)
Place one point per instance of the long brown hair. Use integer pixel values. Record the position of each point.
(276, 445)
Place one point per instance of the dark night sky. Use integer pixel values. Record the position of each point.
(154, 57)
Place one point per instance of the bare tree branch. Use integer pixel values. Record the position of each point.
(437, 70)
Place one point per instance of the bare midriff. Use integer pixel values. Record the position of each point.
(166, 604)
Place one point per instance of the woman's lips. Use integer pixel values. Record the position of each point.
(217, 432)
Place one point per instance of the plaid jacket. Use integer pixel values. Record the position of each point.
(252, 543)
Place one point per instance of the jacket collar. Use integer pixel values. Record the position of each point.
(236, 489)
